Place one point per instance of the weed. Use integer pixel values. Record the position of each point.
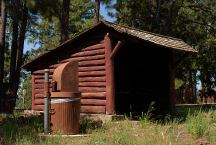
(198, 124)
(146, 117)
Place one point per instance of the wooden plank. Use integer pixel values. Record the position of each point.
(92, 63)
(92, 89)
(91, 68)
(93, 102)
(91, 74)
(92, 79)
(94, 95)
(89, 53)
(93, 47)
(92, 84)
(92, 109)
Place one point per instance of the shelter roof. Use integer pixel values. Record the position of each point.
(153, 38)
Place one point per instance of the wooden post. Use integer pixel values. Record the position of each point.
(172, 93)
(33, 91)
(110, 84)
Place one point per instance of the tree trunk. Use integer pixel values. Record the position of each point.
(21, 38)
(2, 44)
(97, 11)
(14, 45)
(64, 21)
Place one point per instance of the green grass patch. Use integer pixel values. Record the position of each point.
(196, 126)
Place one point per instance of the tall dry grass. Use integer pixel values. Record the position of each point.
(196, 128)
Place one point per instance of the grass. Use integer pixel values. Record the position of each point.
(198, 127)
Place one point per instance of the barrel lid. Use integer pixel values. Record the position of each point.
(65, 94)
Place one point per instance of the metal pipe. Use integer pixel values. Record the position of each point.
(46, 102)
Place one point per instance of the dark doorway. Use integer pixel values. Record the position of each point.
(141, 78)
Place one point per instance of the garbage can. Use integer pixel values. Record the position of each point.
(65, 99)
(65, 113)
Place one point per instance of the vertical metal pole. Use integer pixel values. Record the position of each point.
(46, 102)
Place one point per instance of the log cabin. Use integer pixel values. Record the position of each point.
(121, 69)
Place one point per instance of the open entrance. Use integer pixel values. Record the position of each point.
(141, 78)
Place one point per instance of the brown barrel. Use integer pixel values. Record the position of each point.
(65, 114)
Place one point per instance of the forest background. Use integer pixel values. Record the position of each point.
(44, 24)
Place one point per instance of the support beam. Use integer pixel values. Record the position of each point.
(172, 93)
(110, 88)
(116, 49)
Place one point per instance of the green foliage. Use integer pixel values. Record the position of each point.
(12, 132)
(198, 124)
(85, 125)
(25, 92)
(21, 130)
(45, 31)
(178, 83)
(146, 117)
(192, 21)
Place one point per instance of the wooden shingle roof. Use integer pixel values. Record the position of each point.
(165, 41)
(153, 38)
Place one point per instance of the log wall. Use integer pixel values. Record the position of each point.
(92, 79)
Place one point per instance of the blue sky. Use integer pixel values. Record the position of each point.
(103, 12)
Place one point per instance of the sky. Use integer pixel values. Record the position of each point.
(103, 12)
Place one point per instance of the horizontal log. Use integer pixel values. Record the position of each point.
(93, 102)
(39, 91)
(92, 89)
(91, 68)
(54, 66)
(39, 101)
(94, 95)
(92, 79)
(93, 47)
(38, 96)
(39, 86)
(93, 109)
(92, 63)
(38, 107)
(92, 74)
(84, 58)
(89, 53)
(92, 84)
(42, 71)
(42, 76)
(41, 81)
